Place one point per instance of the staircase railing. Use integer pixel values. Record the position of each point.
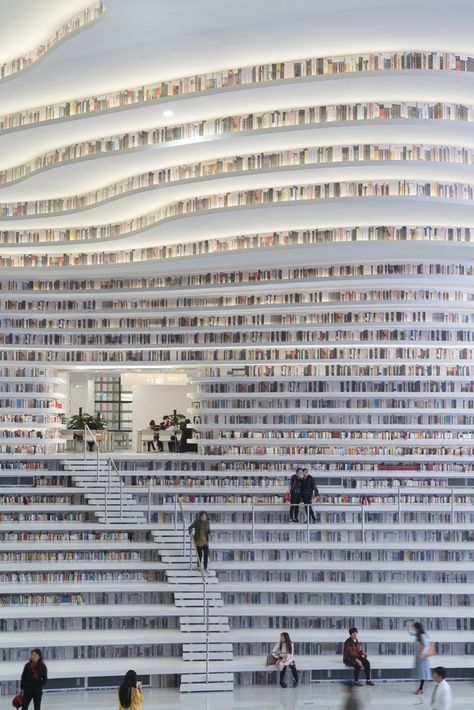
(111, 466)
(205, 600)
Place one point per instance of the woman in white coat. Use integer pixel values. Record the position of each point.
(284, 652)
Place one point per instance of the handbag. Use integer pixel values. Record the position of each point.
(287, 497)
(431, 650)
(271, 660)
(17, 701)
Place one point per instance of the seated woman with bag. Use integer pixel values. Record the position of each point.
(283, 657)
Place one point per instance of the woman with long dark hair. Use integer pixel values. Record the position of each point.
(130, 692)
(284, 652)
(33, 680)
(422, 669)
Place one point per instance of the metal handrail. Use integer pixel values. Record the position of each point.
(88, 432)
(112, 465)
(178, 503)
(205, 599)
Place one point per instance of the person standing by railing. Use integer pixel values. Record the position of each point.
(295, 493)
(308, 492)
(201, 530)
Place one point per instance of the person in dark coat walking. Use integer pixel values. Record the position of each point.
(296, 488)
(33, 680)
(308, 492)
(201, 530)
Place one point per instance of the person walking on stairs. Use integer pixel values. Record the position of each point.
(284, 652)
(355, 657)
(201, 530)
(33, 680)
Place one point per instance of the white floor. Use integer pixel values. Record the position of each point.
(385, 696)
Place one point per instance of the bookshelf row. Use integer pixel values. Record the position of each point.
(80, 20)
(238, 243)
(371, 295)
(313, 115)
(264, 73)
(296, 274)
(329, 156)
(243, 198)
(444, 339)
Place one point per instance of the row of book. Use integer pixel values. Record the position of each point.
(237, 243)
(18, 64)
(82, 284)
(313, 295)
(71, 556)
(224, 336)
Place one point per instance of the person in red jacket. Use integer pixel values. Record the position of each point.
(355, 657)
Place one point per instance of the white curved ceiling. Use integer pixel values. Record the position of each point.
(129, 46)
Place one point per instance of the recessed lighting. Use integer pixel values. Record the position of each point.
(168, 113)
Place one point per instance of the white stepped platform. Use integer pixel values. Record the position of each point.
(194, 621)
(108, 508)
(117, 667)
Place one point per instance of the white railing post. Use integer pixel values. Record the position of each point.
(253, 521)
(121, 484)
(307, 524)
(362, 517)
(206, 603)
(107, 492)
(184, 529)
(149, 504)
(176, 512)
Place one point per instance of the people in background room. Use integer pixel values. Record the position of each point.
(33, 680)
(153, 429)
(130, 692)
(284, 653)
(422, 669)
(355, 657)
(441, 699)
(201, 530)
(186, 433)
(296, 489)
(308, 492)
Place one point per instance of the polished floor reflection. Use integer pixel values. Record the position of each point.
(385, 696)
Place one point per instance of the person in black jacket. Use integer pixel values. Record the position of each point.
(33, 680)
(186, 434)
(308, 491)
(296, 485)
(202, 531)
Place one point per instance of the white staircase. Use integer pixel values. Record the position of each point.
(188, 590)
(107, 501)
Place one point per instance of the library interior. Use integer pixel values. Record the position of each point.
(237, 342)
